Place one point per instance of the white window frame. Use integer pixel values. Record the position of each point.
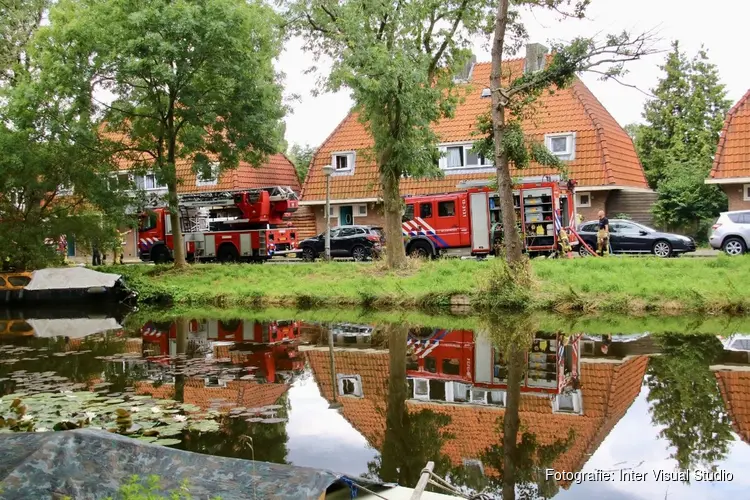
(422, 397)
(473, 462)
(481, 401)
(570, 141)
(579, 203)
(116, 177)
(333, 212)
(466, 147)
(577, 404)
(356, 379)
(62, 190)
(156, 187)
(17, 200)
(212, 181)
(358, 212)
(746, 192)
(351, 157)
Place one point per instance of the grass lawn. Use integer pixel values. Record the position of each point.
(615, 284)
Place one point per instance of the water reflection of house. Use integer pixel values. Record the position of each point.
(247, 393)
(270, 346)
(608, 388)
(733, 376)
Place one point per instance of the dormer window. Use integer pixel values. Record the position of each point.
(562, 145)
(65, 190)
(568, 402)
(210, 178)
(350, 385)
(343, 161)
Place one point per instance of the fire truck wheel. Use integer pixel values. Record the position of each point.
(420, 249)
(160, 255)
(228, 253)
(359, 253)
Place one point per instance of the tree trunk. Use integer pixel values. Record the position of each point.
(179, 364)
(393, 454)
(178, 243)
(395, 252)
(511, 237)
(516, 361)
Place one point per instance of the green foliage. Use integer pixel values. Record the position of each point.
(151, 489)
(685, 399)
(678, 141)
(19, 19)
(301, 156)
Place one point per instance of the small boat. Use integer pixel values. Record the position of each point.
(63, 285)
(73, 463)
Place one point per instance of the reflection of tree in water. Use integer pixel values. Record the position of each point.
(520, 464)
(685, 399)
(238, 438)
(411, 439)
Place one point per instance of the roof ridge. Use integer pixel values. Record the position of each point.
(577, 87)
(724, 130)
(322, 146)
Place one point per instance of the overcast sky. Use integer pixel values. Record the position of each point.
(719, 25)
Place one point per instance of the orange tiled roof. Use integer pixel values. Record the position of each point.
(735, 389)
(277, 171)
(608, 391)
(604, 155)
(245, 393)
(733, 153)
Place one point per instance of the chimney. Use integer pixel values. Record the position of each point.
(465, 74)
(535, 57)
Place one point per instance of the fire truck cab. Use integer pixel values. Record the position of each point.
(227, 226)
(469, 222)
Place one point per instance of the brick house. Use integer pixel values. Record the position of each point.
(571, 122)
(277, 171)
(731, 168)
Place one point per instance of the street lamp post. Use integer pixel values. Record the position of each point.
(327, 171)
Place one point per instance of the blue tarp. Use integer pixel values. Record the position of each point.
(94, 464)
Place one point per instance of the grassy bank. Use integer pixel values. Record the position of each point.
(620, 285)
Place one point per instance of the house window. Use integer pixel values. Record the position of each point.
(583, 200)
(65, 190)
(350, 385)
(148, 182)
(361, 210)
(562, 145)
(120, 182)
(479, 396)
(210, 178)
(569, 402)
(332, 212)
(746, 192)
(343, 162)
(446, 208)
(463, 156)
(421, 388)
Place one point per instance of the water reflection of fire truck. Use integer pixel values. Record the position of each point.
(462, 366)
(269, 346)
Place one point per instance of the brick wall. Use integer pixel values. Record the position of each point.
(734, 194)
(374, 216)
(598, 202)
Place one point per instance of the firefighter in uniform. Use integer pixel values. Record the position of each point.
(602, 236)
(563, 242)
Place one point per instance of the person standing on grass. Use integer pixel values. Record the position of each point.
(602, 237)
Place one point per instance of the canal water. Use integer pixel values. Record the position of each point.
(598, 410)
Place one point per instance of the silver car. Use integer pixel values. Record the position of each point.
(731, 232)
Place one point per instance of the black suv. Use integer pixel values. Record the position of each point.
(357, 242)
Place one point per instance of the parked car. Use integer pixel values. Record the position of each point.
(357, 242)
(626, 236)
(731, 232)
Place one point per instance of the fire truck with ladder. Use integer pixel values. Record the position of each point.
(469, 222)
(462, 366)
(227, 226)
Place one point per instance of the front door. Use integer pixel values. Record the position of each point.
(71, 246)
(346, 215)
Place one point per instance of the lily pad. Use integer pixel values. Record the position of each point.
(167, 442)
(205, 426)
(148, 439)
(273, 420)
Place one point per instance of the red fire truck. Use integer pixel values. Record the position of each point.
(468, 222)
(463, 366)
(227, 226)
(269, 346)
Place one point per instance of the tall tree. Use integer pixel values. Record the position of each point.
(678, 141)
(510, 99)
(399, 59)
(192, 81)
(19, 20)
(301, 156)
